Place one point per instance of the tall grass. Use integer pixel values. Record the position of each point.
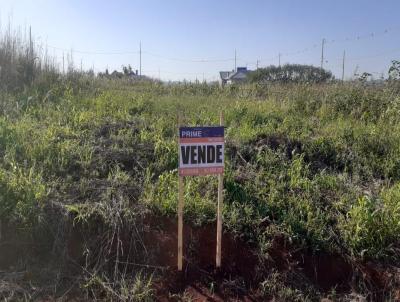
(23, 62)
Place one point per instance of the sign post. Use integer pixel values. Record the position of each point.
(201, 152)
(180, 223)
(219, 209)
(180, 213)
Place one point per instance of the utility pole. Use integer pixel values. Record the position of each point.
(140, 58)
(63, 64)
(344, 56)
(356, 71)
(279, 56)
(322, 53)
(235, 60)
(30, 56)
(257, 65)
(30, 43)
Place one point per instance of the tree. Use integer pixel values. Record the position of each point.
(127, 69)
(290, 73)
(394, 70)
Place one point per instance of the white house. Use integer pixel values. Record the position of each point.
(233, 77)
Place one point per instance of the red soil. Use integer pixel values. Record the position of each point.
(242, 270)
(199, 279)
(327, 271)
(202, 282)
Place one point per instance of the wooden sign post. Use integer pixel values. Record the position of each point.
(201, 152)
(180, 212)
(219, 209)
(180, 223)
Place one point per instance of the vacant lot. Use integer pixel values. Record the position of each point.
(88, 192)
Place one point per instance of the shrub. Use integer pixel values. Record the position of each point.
(372, 225)
(290, 73)
(21, 195)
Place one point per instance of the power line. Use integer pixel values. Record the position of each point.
(95, 52)
(140, 52)
(377, 55)
(188, 60)
(179, 73)
(371, 35)
(354, 38)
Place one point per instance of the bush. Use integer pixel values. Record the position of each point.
(290, 73)
(372, 225)
(21, 195)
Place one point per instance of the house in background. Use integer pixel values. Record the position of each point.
(126, 73)
(233, 77)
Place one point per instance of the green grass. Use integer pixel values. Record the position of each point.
(321, 163)
(321, 159)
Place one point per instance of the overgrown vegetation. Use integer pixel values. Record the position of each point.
(290, 73)
(315, 164)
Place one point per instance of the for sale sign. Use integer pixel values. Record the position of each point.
(201, 150)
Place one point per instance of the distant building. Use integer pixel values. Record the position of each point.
(126, 74)
(233, 77)
(116, 74)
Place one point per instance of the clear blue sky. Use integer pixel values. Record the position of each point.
(212, 30)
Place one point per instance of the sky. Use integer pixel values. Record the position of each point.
(197, 39)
